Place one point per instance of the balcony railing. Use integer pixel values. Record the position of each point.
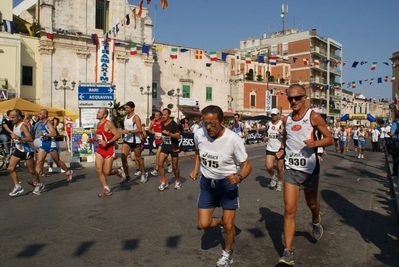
(318, 50)
(335, 111)
(335, 57)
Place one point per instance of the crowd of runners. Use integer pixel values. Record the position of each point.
(294, 145)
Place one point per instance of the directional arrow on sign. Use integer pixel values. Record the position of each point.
(81, 97)
(111, 90)
(110, 104)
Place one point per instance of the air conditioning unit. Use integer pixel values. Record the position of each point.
(170, 106)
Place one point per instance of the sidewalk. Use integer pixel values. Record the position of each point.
(394, 183)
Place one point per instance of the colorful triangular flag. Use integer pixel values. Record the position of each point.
(393, 78)
(273, 60)
(198, 54)
(248, 58)
(133, 49)
(212, 55)
(305, 61)
(8, 26)
(373, 66)
(173, 54)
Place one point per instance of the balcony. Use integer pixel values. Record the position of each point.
(335, 57)
(335, 71)
(318, 50)
(335, 111)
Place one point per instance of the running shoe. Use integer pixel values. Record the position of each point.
(362, 156)
(279, 186)
(177, 185)
(273, 181)
(163, 186)
(154, 173)
(121, 174)
(226, 259)
(128, 179)
(61, 170)
(317, 229)
(137, 173)
(16, 190)
(32, 182)
(69, 175)
(287, 257)
(144, 178)
(170, 168)
(105, 193)
(359, 156)
(38, 189)
(50, 169)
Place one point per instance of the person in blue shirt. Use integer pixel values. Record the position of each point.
(394, 134)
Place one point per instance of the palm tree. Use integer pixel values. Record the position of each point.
(118, 114)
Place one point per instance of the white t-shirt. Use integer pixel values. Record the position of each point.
(387, 130)
(218, 156)
(382, 135)
(374, 135)
(274, 142)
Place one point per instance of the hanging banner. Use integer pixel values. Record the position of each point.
(105, 61)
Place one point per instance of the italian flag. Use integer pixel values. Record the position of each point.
(373, 65)
(213, 56)
(133, 49)
(371, 81)
(393, 78)
(248, 58)
(173, 54)
(385, 78)
(353, 84)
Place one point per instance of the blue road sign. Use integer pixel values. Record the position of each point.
(95, 90)
(96, 97)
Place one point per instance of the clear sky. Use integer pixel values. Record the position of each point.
(367, 29)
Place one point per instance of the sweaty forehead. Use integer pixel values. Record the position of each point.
(210, 117)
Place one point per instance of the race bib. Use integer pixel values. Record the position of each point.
(99, 138)
(273, 136)
(158, 135)
(211, 160)
(167, 140)
(297, 159)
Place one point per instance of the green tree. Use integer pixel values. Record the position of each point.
(118, 114)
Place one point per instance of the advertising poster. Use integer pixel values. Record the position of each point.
(80, 142)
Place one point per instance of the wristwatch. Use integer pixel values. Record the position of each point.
(107, 142)
(240, 177)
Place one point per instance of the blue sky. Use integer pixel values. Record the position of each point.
(367, 29)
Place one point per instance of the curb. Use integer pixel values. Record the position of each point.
(394, 185)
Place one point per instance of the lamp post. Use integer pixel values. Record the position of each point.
(178, 95)
(148, 93)
(64, 87)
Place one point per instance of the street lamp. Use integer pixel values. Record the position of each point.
(64, 87)
(178, 95)
(148, 93)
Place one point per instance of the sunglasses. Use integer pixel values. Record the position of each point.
(297, 98)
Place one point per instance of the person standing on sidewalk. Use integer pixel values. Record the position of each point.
(48, 145)
(23, 151)
(217, 149)
(394, 134)
(302, 167)
(375, 134)
(106, 136)
(170, 145)
(156, 129)
(5, 132)
(273, 138)
(132, 130)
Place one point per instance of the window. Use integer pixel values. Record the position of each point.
(274, 101)
(101, 14)
(154, 90)
(274, 50)
(27, 75)
(253, 100)
(208, 96)
(186, 91)
(285, 49)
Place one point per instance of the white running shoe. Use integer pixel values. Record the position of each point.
(273, 181)
(163, 186)
(38, 189)
(362, 156)
(226, 259)
(359, 156)
(121, 174)
(279, 186)
(170, 168)
(177, 185)
(144, 177)
(16, 190)
(154, 173)
(137, 173)
(69, 175)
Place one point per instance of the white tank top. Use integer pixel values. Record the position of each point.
(298, 156)
(130, 125)
(218, 156)
(361, 135)
(274, 142)
(342, 136)
(335, 132)
(22, 146)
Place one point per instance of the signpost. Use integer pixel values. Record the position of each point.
(96, 95)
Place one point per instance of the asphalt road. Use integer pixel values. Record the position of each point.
(68, 225)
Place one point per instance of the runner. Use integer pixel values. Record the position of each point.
(348, 130)
(219, 180)
(302, 166)
(170, 137)
(273, 138)
(362, 135)
(335, 131)
(343, 139)
(156, 129)
(48, 145)
(355, 137)
(23, 151)
(132, 130)
(106, 136)
(239, 128)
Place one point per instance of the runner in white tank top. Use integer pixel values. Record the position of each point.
(302, 166)
(273, 137)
